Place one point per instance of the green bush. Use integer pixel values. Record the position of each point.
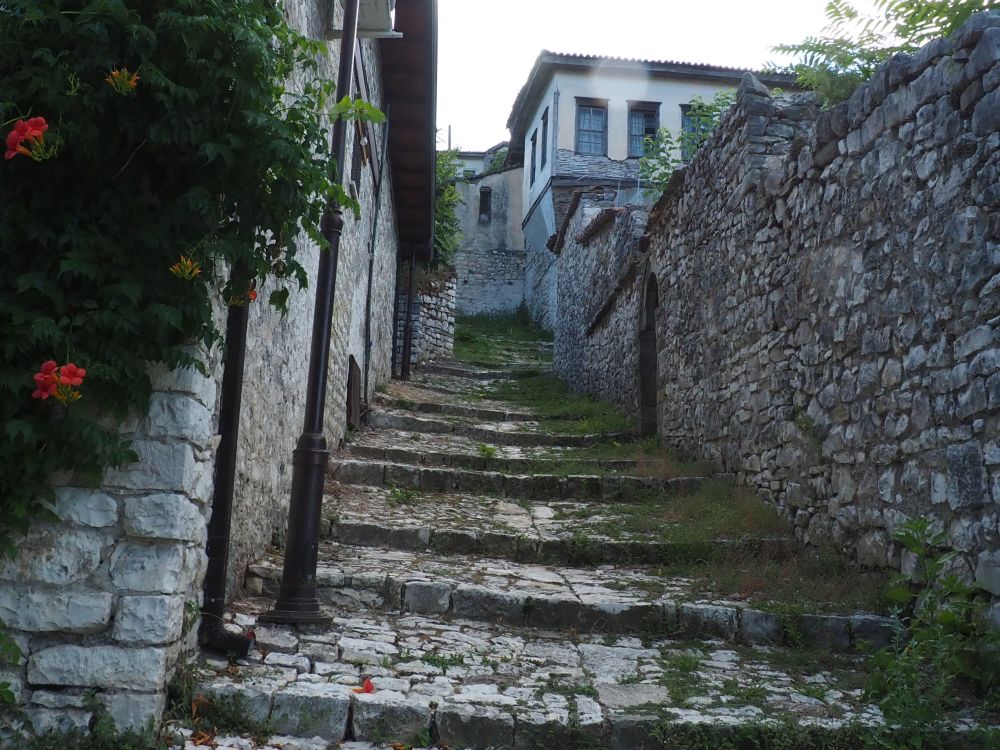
(177, 166)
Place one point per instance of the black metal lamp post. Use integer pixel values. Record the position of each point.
(297, 601)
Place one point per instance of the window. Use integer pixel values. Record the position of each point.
(695, 129)
(545, 135)
(485, 204)
(591, 127)
(534, 155)
(643, 122)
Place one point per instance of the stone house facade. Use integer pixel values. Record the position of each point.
(106, 600)
(814, 304)
(580, 121)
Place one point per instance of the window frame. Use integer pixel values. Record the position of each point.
(645, 109)
(591, 104)
(485, 217)
(545, 136)
(534, 155)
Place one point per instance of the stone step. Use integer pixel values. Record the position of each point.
(494, 433)
(456, 410)
(609, 599)
(527, 486)
(461, 683)
(458, 370)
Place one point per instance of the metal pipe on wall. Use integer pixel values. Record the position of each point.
(371, 257)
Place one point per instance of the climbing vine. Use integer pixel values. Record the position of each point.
(157, 159)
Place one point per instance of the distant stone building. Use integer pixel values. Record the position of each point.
(580, 121)
(477, 162)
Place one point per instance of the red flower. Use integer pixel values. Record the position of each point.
(70, 374)
(32, 133)
(252, 295)
(367, 688)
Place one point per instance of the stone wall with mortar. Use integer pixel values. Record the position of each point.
(829, 303)
(278, 346)
(106, 599)
(433, 321)
(489, 263)
(598, 298)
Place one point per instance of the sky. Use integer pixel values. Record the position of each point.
(487, 47)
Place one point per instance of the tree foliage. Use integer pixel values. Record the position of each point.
(668, 151)
(176, 151)
(854, 44)
(447, 228)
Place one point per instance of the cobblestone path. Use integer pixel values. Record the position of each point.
(472, 565)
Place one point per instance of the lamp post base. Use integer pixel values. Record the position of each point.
(296, 617)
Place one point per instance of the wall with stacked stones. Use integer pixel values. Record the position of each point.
(489, 263)
(106, 599)
(598, 298)
(433, 322)
(829, 303)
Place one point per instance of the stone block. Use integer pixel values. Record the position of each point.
(700, 620)
(149, 620)
(362, 472)
(43, 611)
(876, 632)
(163, 569)
(312, 709)
(45, 720)
(133, 711)
(827, 631)
(165, 467)
(619, 697)
(112, 667)
(276, 638)
(184, 380)
(86, 507)
(388, 715)
(427, 597)
(55, 554)
(760, 628)
(481, 603)
(455, 541)
(174, 415)
(410, 537)
(634, 733)
(554, 611)
(364, 534)
(255, 688)
(437, 480)
(474, 727)
(165, 516)
(988, 571)
(966, 487)
(986, 115)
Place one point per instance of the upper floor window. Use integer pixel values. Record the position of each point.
(695, 130)
(534, 155)
(545, 135)
(591, 127)
(643, 122)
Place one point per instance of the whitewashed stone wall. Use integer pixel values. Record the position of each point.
(829, 303)
(278, 346)
(106, 598)
(490, 262)
(433, 322)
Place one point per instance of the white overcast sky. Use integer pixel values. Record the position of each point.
(487, 47)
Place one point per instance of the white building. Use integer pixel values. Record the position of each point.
(580, 121)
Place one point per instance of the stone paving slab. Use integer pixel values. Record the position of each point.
(423, 400)
(499, 433)
(467, 684)
(556, 531)
(608, 598)
(411, 391)
(535, 486)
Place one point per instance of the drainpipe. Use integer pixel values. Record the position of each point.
(371, 258)
(297, 602)
(408, 329)
(211, 634)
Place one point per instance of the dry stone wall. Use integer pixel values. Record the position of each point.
(598, 298)
(433, 322)
(490, 261)
(829, 303)
(106, 599)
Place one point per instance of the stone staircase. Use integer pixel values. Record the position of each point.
(489, 579)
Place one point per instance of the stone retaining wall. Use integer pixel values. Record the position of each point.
(828, 324)
(433, 322)
(598, 299)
